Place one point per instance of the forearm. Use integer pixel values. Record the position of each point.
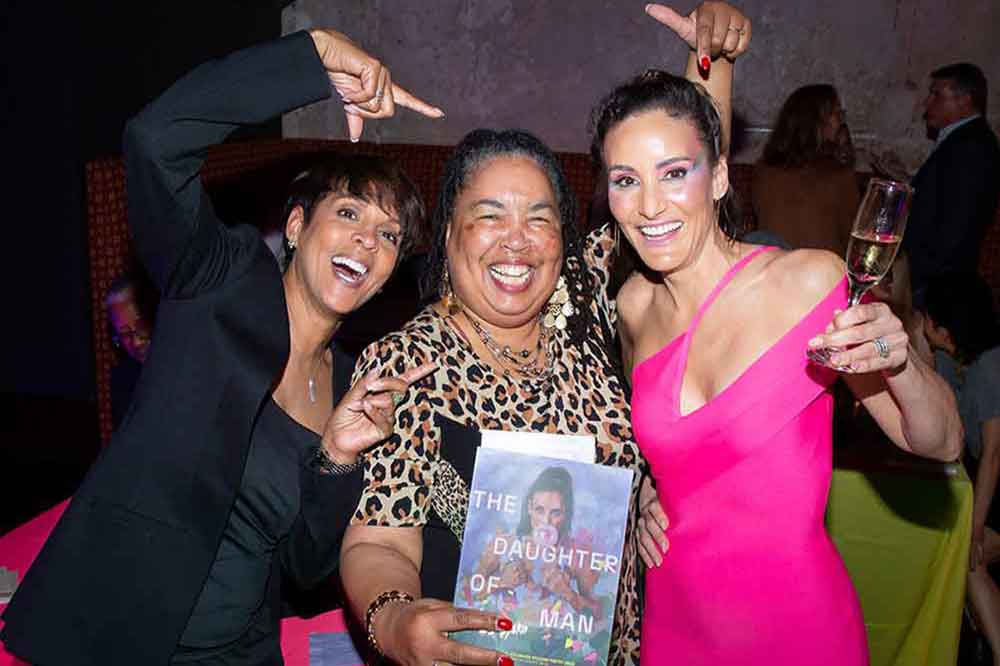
(719, 84)
(929, 420)
(166, 144)
(369, 568)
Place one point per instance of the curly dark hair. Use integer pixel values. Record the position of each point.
(477, 148)
(371, 178)
(796, 139)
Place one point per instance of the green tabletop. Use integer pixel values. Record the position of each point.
(904, 536)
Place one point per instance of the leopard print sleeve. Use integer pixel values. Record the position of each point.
(399, 471)
(598, 249)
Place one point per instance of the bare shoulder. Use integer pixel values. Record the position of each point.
(812, 273)
(634, 298)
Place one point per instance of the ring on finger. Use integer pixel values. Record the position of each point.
(881, 346)
(397, 398)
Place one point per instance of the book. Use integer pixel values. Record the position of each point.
(543, 546)
(567, 447)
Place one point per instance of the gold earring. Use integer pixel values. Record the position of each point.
(559, 307)
(448, 298)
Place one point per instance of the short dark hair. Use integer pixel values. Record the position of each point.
(552, 479)
(476, 149)
(373, 179)
(967, 79)
(962, 302)
(796, 139)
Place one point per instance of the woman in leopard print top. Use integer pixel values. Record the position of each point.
(504, 235)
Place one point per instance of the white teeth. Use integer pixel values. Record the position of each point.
(512, 274)
(660, 229)
(355, 266)
(514, 270)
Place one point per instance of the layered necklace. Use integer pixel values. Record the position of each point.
(536, 365)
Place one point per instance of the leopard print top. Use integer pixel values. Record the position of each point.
(406, 480)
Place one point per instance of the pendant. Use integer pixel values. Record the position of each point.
(312, 390)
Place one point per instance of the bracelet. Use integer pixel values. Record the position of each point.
(321, 463)
(381, 601)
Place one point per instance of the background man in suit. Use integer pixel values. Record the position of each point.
(957, 187)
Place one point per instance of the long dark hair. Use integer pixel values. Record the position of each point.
(373, 179)
(552, 479)
(473, 151)
(963, 304)
(796, 139)
(656, 90)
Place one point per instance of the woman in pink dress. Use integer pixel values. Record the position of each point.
(734, 420)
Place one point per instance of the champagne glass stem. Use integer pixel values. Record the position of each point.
(857, 291)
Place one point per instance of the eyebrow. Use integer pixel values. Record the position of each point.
(493, 203)
(659, 165)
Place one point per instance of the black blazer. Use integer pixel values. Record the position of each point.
(954, 203)
(120, 574)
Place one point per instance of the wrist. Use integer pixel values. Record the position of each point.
(321, 40)
(336, 463)
(381, 615)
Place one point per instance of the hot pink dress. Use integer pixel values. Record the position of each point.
(751, 576)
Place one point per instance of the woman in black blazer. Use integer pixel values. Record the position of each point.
(232, 469)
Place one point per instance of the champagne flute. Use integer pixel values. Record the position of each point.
(878, 230)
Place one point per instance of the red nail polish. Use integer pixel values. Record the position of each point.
(504, 660)
(705, 63)
(504, 624)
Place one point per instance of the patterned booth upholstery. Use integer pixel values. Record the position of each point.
(247, 182)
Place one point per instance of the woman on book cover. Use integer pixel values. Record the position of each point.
(546, 523)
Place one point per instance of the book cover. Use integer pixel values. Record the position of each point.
(543, 546)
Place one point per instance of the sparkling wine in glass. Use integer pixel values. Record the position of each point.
(878, 230)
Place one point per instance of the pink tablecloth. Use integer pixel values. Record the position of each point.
(19, 548)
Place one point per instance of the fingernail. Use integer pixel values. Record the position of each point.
(705, 63)
(815, 342)
(504, 624)
(504, 660)
(355, 139)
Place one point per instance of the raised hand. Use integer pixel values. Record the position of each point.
(868, 337)
(366, 414)
(713, 29)
(363, 82)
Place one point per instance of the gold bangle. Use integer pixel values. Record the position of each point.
(381, 601)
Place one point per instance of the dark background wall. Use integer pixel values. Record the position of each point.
(542, 64)
(73, 72)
